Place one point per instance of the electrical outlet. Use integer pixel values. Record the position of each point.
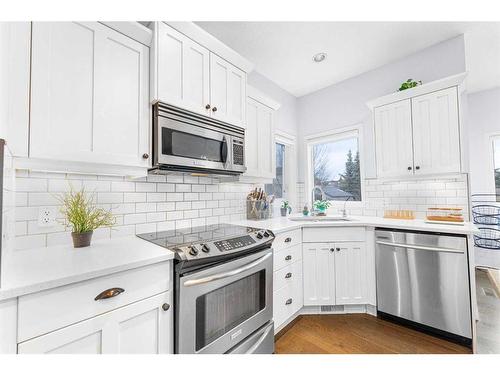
(46, 217)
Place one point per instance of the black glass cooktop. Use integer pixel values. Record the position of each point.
(173, 238)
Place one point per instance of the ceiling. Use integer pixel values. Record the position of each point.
(283, 51)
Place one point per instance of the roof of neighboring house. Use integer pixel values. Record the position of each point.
(334, 192)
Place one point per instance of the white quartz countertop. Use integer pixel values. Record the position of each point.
(33, 270)
(283, 224)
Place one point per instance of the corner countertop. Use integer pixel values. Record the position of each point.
(33, 270)
(283, 224)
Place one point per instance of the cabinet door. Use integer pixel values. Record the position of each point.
(251, 138)
(351, 273)
(89, 94)
(318, 262)
(182, 70)
(436, 134)
(143, 327)
(393, 139)
(265, 136)
(227, 91)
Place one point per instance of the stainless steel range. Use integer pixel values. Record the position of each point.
(223, 288)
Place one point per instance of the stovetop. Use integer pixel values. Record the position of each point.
(200, 243)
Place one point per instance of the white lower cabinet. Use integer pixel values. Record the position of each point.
(143, 327)
(335, 273)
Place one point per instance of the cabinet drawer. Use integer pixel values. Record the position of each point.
(286, 302)
(287, 239)
(287, 256)
(287, 275)
(49, 310)
(333, 234)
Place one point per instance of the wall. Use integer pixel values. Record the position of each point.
(344, 104)
(483, 121)
(140, 206)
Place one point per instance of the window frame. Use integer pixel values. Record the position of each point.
(332, 136)
(493, 137)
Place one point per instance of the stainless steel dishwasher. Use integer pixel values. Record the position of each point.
(423, 281)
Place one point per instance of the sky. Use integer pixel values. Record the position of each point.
(337, 155)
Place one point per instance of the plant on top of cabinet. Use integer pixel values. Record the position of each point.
(410, 83)
(83, 216)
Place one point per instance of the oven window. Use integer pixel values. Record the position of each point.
(220, 310)
(191, 146)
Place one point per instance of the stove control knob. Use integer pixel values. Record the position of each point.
(266, 233)
(193, 251)
(259, 235)
(205, 248)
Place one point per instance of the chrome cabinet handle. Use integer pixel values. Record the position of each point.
(289, 301)
(288, 275)
(224, 275)
(288, 257)
(419, 247)
(109, 293)
(165, 306)
(288, 239)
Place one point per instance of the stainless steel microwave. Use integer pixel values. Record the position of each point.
(187, 142)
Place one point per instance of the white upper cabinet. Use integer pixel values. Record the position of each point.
(260, 158)
(182, 70)
(227, 91)
(194, 71)
(89, 95)
(436, 132)
(417, 131)
(394, 149)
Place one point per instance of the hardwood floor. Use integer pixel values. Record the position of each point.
(358, 334)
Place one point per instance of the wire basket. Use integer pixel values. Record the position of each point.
(488, 239)
(486, 214)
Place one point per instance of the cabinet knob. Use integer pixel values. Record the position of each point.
(417, 167)
(288, 257)
(165, 306)
(338, 248)
(207, 106)
(214, 109)
(288, 239)
(289, 301)
(288, 275)
(409, 168)
(332, 249)
(145, 156)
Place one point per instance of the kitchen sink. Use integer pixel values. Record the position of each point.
(322, 219)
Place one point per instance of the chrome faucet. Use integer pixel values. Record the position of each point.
(323, 196)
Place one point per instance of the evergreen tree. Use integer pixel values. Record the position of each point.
(497, 179)
(350, 180)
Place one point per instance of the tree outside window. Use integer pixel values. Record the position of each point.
(336, 169)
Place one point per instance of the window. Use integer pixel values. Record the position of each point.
(335, 167)
(496, 166)
(277, 188)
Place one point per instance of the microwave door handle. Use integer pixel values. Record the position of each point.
(224, 150)
(224, 275)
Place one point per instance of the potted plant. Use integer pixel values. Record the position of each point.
(321, 206)
(83, 216)
(285, 208)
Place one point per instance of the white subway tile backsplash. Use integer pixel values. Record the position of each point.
(31, 184)
(156, 197)
(145, 207)
(134, 218)
(122, 186)
(134, 197)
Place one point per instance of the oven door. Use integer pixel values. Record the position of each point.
(186, 145)
(221, 306)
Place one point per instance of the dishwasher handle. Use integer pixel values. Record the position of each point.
(420, 247)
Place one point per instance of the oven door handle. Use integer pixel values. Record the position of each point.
(223, 275)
